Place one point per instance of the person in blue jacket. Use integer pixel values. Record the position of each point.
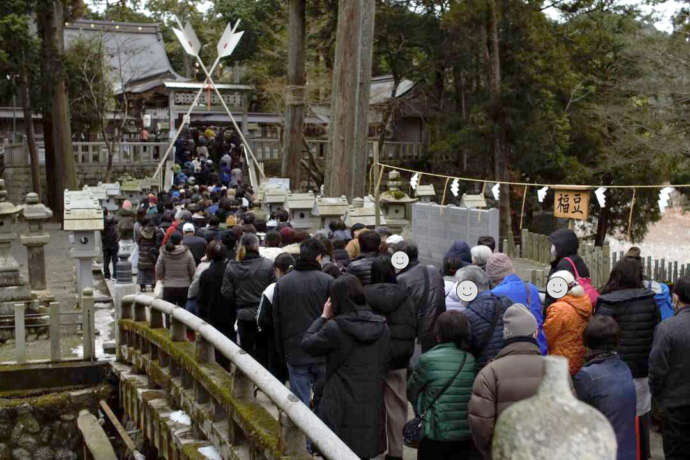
(506, 283)
(606, 383)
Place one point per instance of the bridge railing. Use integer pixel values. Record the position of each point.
(153, 338)
(271, 149)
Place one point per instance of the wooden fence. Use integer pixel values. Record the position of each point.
(600, 259)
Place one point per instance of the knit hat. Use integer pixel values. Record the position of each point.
(127, 204)
(188, 228)
(518, 321)
(498, 267)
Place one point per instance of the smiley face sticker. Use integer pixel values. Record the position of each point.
(557, 287)
(400, 260)
(466, 290)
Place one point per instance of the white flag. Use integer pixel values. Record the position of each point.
(228, 42)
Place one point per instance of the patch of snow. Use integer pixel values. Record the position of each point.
(210, 452)
(180, 417)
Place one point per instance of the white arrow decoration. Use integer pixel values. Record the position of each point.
(496, 190)
(455, 187)
(414, 181)
(228, 42)
(541, 194)
(664, 196)
(183, 41)
(600, 193)
(192, 39)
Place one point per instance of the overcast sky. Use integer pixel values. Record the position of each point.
(662, 13)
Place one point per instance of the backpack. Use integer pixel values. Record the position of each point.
(586, 284)
(662, 297)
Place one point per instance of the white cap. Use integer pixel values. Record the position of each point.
(188, 228)
(394, 239)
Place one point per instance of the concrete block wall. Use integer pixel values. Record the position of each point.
(435, 227)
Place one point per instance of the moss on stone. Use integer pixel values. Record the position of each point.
(260, 428)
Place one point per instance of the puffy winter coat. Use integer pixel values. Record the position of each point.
(245, 281)
(149, 247)
(481, 313)
(565, 322)
(391, 301)
(605, 383)
(566, 243)
(197, 245)
(637, 315)
(176, 267)
(356, 347)
(669, 361)
(428, 309)
(125, 224)
(447, 419)
(453, 302)
(361, 267)
(517, 291)
(514, 375)
(297, 301)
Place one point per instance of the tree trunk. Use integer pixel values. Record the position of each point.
(54, 187)
(29, 129)
(61, 118)
(294, 114)
(500, 169)
(602, 226)
(347, 159)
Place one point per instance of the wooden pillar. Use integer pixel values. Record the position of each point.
(294, 113)
(347, 159)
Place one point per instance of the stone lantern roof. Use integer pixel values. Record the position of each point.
(6, 208)
(33, 209)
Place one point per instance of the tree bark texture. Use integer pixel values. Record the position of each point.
(347, 159)
(62, 131)
(29, 129)
(295, 103)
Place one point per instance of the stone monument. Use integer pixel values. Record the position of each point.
(553, 424)
(84, 218)
(35, 238)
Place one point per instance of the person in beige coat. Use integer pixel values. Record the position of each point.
(175, 269)
(513, 375)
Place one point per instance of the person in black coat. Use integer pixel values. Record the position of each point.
(424, 284)
(669, 373)
(633, 307)
(109, 243)
(564, 246)
(356, 344)
(391, 301)
(297, 301)
(369, 243)
(214, 307)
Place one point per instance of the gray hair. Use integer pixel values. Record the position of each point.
(474, 274)
(480, 255)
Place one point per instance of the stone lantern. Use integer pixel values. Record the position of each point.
(9, 268)
(36, 214)
(13, 289)
(83, 216)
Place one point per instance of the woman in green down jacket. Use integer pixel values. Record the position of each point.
(440, 388)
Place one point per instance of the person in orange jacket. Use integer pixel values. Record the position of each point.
(566, 319)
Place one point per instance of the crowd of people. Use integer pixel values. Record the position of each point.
(359, 339)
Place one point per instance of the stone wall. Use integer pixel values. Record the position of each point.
(435, 227)
(45, 427)
(18, 178)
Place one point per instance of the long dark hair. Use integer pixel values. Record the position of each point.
(626, 274)
(347, 294)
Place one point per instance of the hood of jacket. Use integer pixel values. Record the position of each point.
(565, 242)
(385, 297)
(362, 325)
(461, 250)
(148, 232)
(178, 252)
(246, 268)
(580, 303)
